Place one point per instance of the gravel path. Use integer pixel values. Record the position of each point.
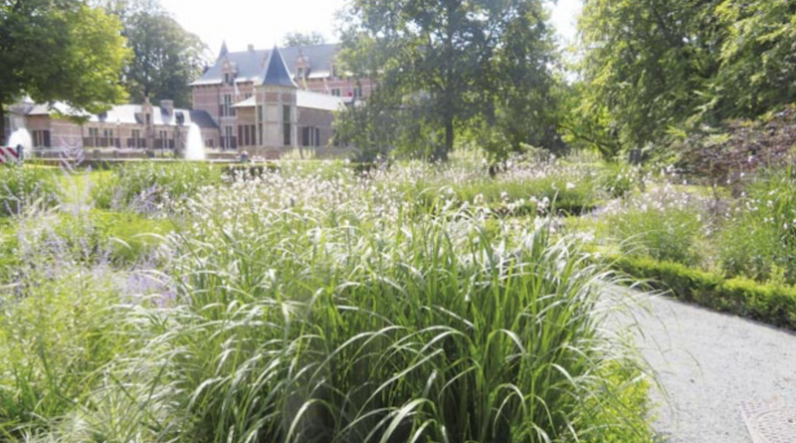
(708, 364)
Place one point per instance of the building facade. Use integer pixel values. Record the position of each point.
(145, 126)
(244, 102)
(261, 102)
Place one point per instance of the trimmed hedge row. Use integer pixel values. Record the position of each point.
(768, 303)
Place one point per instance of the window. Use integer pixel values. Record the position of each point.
(163, 143)
(228, 139)
(247, 135)
(300, 73)
(226, 108)
(107, 138)
(336, 92)
(287, 128)
(149, 119)
(41, 139)
(334, 71)
(210, 143)
(358, 92)
(317, 137)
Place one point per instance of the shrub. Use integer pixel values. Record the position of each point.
(760, 237)
(145, 186)
(24, 186)
(771, 303)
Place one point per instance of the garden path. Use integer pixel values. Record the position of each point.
(708, 364)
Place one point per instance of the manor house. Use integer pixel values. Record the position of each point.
(261, 101)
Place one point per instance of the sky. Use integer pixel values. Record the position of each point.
(263, 23)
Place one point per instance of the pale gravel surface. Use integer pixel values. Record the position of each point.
(709, 363)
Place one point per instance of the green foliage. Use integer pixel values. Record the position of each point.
(55, 336)
(402, 335)
(443, 66)
(760, 238)
(511, 196)
(60, 51)
(587, 123)
(654, 67)
(166, 57)
(625, 419)
(644, 60)
(618, 180)
(22, 187)
(663, 233)
(301, 39)
(147, 185)
(771, 303)
(758, 68)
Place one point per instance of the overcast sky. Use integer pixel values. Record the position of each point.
(263, 23)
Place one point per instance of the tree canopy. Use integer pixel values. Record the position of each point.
(448, 68)
(61, 50)
(166, 57)
(654, 68)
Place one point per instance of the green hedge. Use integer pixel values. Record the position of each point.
(769, 303)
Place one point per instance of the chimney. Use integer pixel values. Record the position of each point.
(251, 48)
(168, 105)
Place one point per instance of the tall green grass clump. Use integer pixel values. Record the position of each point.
(299, 324)
(759, 240)
(58, 328)
(148, 185)
(664, 224)
(21, 187)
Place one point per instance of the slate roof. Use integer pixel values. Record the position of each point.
(276, 72)
(250, 65)
(131, 115)
(305, 99)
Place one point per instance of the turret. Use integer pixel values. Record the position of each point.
(277, 115)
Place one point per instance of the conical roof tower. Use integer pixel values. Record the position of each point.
(276, 72)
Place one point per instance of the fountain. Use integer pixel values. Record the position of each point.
(195, 146)
(21, 137)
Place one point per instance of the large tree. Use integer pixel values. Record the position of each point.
(758, 60)
(654, 68)
(60, 50)
(166, 57)
(647, 65)
(443, 61)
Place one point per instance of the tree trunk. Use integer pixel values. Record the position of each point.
(450, 138)
(2, 124)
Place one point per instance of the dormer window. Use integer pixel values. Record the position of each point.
(300, 73)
